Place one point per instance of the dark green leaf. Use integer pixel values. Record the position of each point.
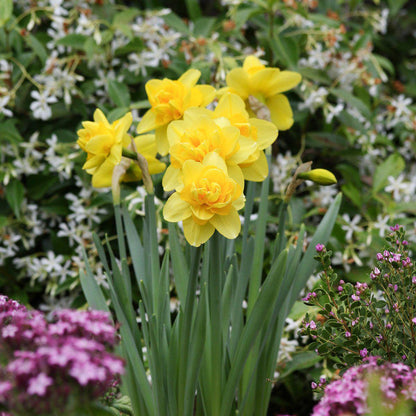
(15, 192)
(119, 93)
(6, 11)
(73, 40)
(392, 166)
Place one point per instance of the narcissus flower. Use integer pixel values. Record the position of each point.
(200, 133)
(103, 143)
(266, 85)
(169, 100)
(206, 200)
(261, 134)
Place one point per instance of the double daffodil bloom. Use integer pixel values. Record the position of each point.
(169, 99)
(266, 85)
(103, 143)
(261, 133)
(207, 199)
(200, 133)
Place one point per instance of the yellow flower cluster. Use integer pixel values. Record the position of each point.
(212, 152)
(104, 143)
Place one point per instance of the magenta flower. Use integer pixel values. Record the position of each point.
(67, 359)
(348, 395)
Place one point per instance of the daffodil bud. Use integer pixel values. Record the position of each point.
(319, 176)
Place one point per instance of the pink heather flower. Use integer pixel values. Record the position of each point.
(379, 256)
(5, 387)
(66, 360)
(347, 334)
(413, 279)
(405, 242)
(363, 352)
(355, 297)
(39, 384)
(313, 385)
(386, 253)
(319, 247)
(312, 325)
(414, 320)
(348, 395)
(309, 296)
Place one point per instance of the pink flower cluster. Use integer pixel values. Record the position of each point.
(348, 395)
(45, 364)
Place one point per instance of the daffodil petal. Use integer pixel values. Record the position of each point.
(238, 80)
(190, 77)
(146, 144)
(176, 209)
(252, 63)
(208, 94)
(230, 104)
(197, 234)
(262, 81)
(284, 82)
(266, 132)
(201, 213)
(235, 173)
(227, 225)
(147, 123)
(214, 159)
(103, 175)
(258, 170)
(281, 113)
(99, 117)
(171, 179)
(162, 142)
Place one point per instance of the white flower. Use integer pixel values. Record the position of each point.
(40, 106)
(3, 102)
(351, 225)
(381, 224)
(396, 185)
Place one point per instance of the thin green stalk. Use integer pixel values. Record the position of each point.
(153, 252)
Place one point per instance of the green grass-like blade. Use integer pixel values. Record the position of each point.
(261, 312)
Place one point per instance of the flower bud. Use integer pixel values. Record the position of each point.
(319, 176)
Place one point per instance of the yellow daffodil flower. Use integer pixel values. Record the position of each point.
(262, 133)
(266, 85)
(146, 146)
(103, 143)
(169, 99)
(207, 199)
(198, 134)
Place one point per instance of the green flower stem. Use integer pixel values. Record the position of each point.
(151, 248)
(143, 165)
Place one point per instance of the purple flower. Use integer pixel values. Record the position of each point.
(67, 359)
(39, 384)
(319, 247)
(379, 256)
(348, 395)
(363, 352)
(347, 334)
